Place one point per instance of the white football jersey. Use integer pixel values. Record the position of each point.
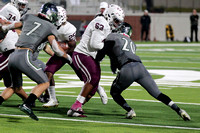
(9, 41)
(67, 32)
(93, 37)
(11, 13)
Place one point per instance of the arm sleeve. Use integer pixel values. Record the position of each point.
(97, 40)
(107, 47)
(113, 65)
(56, 49)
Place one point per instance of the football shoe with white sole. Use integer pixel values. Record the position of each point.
(130, 114)
(51, 103)
(102, 94)
(183, 114)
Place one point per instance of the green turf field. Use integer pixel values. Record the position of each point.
(175, 68)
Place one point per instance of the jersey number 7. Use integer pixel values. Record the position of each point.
(35, 28)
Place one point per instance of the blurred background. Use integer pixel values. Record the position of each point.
(162, 12)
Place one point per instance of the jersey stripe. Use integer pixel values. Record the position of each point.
(28, 59)
(4, 64)
(83, 68)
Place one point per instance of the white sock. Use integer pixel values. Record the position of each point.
(81, 99)
(170, 103)
(52, 92)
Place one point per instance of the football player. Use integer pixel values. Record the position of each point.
(37, 29)
(66, 34)
(85, 53)
(121, 50)
(11, 12)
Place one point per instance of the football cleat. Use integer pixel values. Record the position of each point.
(43, 98)
(51, 103)
(130, 114)
(73, 113)
(184, 115)
(28, 111)
(102, 94)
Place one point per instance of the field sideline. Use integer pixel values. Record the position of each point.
(175, 68)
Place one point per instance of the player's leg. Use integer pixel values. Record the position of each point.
(21, 93)
(7, 93)
(100, 89)
(90, 71)
(34, 72)
(17, 84)
(102, 94)
(22, 61)
(149, 84)
(124, 79)
(5, 74)
(44, 97)
(52, 66)
(53, 102)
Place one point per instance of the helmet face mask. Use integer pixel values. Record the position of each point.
(21, 5)
(116, 24)
(50, 12)
(62, 16)
(114, 15)
(125, 28)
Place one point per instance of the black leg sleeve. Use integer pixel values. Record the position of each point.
(116, 94)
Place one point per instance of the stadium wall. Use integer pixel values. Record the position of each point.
(179, 21)
(133, 20)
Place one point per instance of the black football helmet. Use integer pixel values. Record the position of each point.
(126, 28)
(50, 12)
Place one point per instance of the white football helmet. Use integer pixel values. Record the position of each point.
(62, 16)
(114, 14)
(21, 5)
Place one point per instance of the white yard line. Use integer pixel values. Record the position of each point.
(171, 45)
(103, 122)
(139, 100)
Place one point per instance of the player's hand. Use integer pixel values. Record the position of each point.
(69, 58)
